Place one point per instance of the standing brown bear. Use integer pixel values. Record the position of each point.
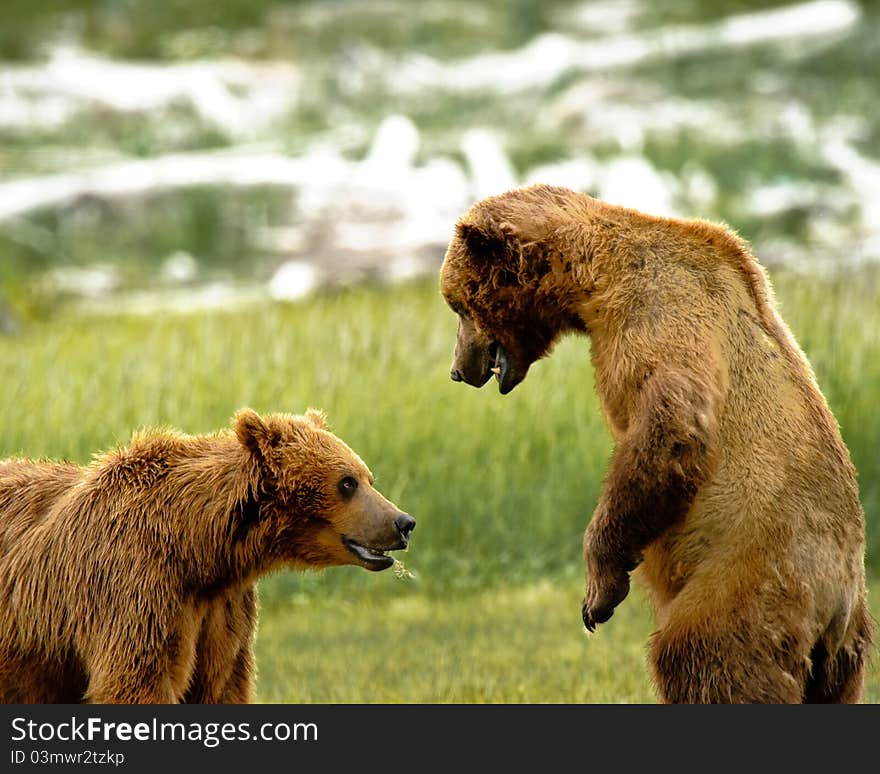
(730, 491)
(133, 580)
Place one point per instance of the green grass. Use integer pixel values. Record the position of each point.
(501, 487)
(378, 364)
(505, 645)
(520, 644)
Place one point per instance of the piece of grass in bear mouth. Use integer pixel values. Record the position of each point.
(400, 571)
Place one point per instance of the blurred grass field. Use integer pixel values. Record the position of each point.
(521, 644)
(501, 487)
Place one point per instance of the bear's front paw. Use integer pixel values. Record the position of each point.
(605, 591)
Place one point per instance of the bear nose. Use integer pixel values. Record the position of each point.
(405, 524)
(455, 374)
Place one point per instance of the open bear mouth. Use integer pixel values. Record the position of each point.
(500, 367)
(371, 558)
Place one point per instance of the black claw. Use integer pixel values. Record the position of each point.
(588, 620)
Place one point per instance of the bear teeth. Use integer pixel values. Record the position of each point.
(496, 370)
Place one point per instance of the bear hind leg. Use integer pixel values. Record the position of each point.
(840, 679)
(701, 667)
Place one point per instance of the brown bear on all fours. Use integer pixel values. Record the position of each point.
(132, 580)
(730, 492)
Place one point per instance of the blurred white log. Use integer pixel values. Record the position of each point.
(142, 177)
(547, 57)
(235, 96)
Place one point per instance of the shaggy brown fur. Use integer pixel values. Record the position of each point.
(132, 580)
(730, 488)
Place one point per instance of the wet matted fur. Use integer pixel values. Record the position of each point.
(132, 580)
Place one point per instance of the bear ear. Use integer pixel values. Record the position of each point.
(253, 433)
(521, 218)
(317, 417)
(482, 242)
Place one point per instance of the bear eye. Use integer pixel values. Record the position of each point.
(348, 486)
(457, 308)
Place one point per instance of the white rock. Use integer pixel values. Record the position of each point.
(293, 280)
(92, 281)
(179, 267)
(580, 174)
(491, 170)
(632, 182)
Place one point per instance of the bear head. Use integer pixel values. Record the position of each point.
(314, 497)
(503, 275)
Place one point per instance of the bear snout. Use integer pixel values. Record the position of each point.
(405, 525)
(369, 537)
